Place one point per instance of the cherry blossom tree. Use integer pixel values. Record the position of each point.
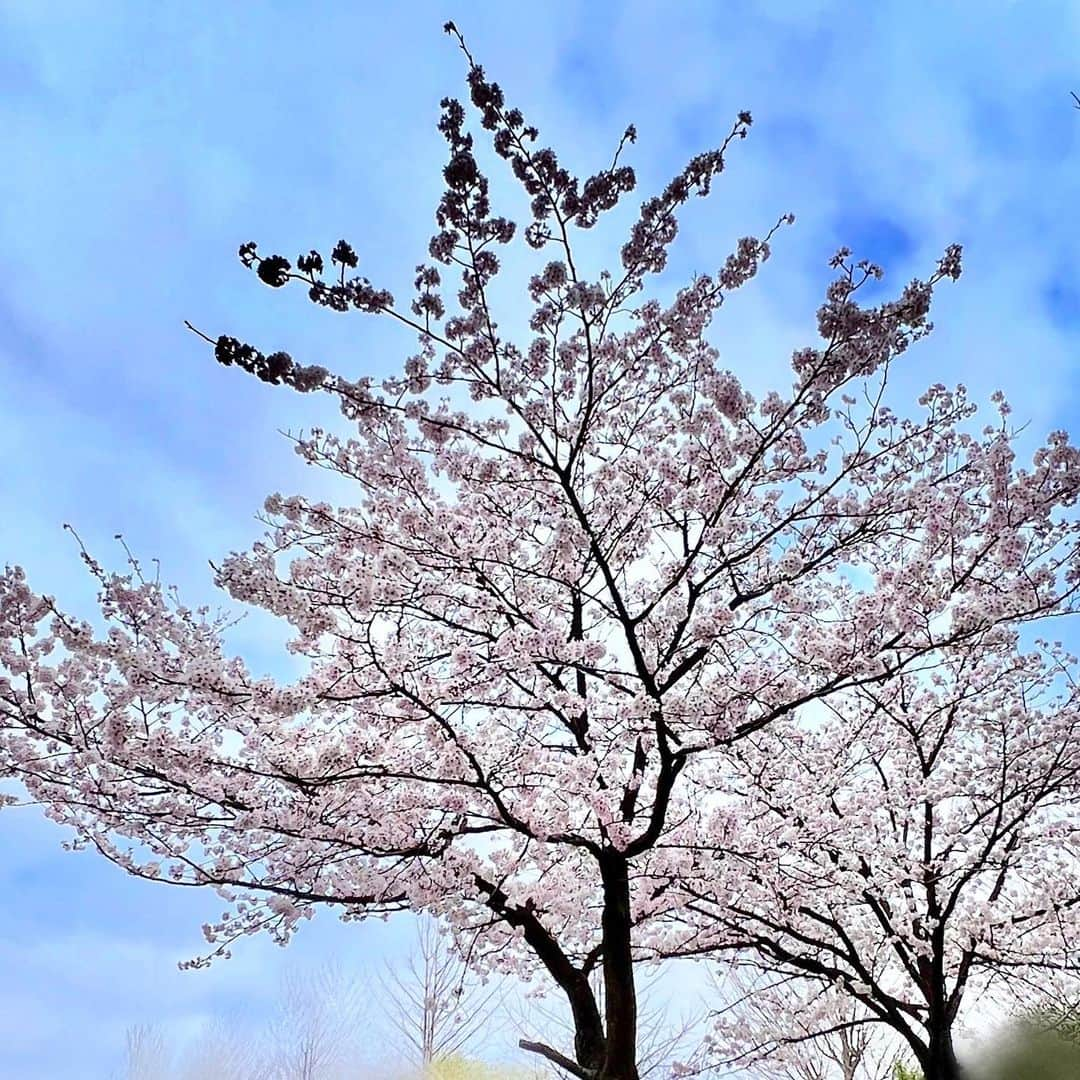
(580, 569)
(918, 848)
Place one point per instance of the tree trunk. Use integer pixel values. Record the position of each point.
(940, 1061)
(620, 995)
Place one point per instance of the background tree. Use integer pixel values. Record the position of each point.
(552, 611)
(434, 1003)
(146, 1054)
(325, 1025)
(920, 846)
(224, 1050)
(786, 1028)
(321, 1030)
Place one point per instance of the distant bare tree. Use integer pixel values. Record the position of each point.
(146, 1055)
(435, 1004)
(316, 1033)
(224, 1052)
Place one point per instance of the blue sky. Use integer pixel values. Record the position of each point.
(145, 142)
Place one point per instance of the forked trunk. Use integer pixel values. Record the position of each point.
(604, 1048)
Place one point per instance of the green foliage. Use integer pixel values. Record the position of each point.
(1032, 1055)
(1064, 1020)
(1044, 1044)
(901, 1071)
(461, 1068)
(458, 1068)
